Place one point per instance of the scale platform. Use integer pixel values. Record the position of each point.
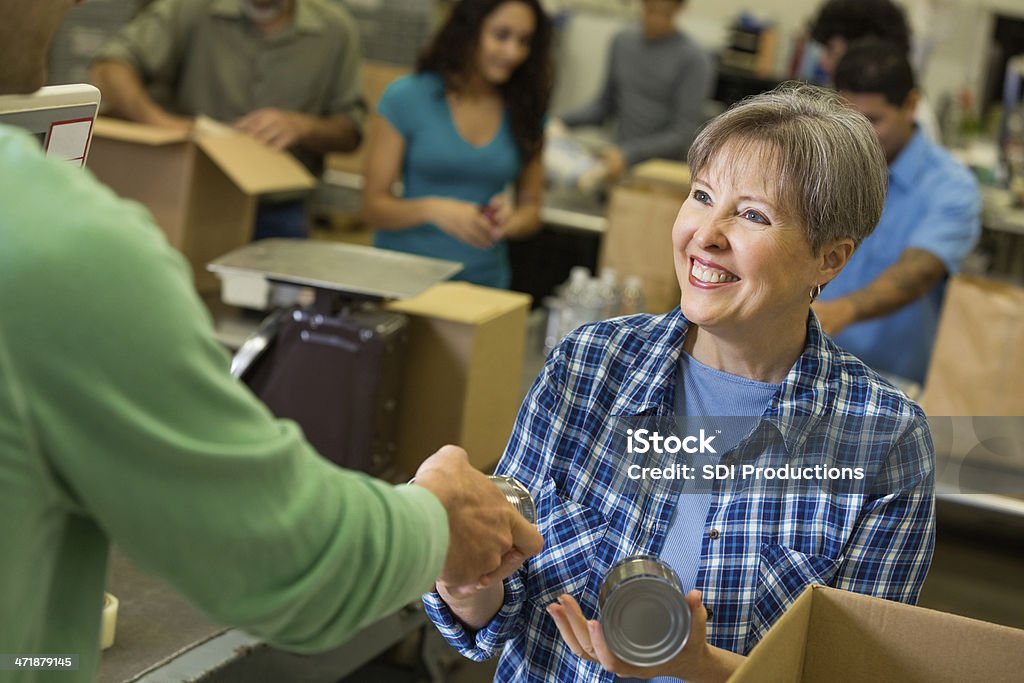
(250, 273)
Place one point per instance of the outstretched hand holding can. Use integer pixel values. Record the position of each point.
(488, 537)
(697, 660)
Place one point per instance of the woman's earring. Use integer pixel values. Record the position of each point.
(815, 292)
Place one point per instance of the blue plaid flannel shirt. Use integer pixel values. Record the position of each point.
(768, 548)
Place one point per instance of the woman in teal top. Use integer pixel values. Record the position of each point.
(458, 132)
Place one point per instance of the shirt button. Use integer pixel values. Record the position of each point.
(714, 534)
(710, 611)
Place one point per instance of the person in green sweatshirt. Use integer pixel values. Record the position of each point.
(119, 421)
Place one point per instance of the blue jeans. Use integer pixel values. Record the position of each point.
(287, 219)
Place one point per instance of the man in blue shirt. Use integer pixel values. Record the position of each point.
(884, 306)
(840, 23)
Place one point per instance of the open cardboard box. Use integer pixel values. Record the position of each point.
(661, 175)
(202, 188)
(831, 635)
(638, 237)
(463, 372)
(977, 364)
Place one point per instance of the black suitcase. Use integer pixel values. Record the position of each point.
(337, 375)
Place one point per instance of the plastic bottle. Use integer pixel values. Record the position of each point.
(633, 296)
(572, 296)
(553, 329)
(611, 292)
(573, 286)
(593, 303)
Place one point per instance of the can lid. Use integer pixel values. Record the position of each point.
(516, 494)
(645, 620)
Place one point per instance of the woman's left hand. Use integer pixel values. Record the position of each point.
(586, 639)
(498, 212)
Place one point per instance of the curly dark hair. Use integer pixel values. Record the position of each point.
(854, 19)
(527, 91)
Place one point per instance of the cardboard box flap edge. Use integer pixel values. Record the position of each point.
(252, 166)
(879, 639)
(141, 133)
(665, 170)
(461, 302)
(775, 657)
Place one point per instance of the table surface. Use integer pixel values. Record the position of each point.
(161, 638)
(560, 208)
(999, 213)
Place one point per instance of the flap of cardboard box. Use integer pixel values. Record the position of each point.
(254, 167)
(461, 302)
(141, 133)
(662, 174)
(830, 635)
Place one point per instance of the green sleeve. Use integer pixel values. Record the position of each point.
(131, 403)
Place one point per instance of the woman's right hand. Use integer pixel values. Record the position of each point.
(476, 604)
(510, 564)
(463, 221)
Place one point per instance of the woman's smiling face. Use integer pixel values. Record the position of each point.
(743, 261)
(505, 39)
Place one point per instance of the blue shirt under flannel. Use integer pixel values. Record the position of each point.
(770, 545)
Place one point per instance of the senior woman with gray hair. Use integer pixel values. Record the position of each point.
(785, 186)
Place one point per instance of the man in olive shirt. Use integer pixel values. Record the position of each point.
(284, 71)
(119, 421)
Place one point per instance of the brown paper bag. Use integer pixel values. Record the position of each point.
(977, 365)
(638, 241)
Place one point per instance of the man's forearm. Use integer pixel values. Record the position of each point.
(335, 133)
(124, 95)
(907, 280)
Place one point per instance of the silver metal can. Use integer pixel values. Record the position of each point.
(644, 615)
(516, 494)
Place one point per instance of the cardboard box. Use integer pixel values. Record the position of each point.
(977, 364)
(638, 241)
(202, 188)
(831, 635)
(463, 371)
(662, 175)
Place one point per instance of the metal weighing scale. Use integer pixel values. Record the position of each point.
(335, 364)
(344, 270)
